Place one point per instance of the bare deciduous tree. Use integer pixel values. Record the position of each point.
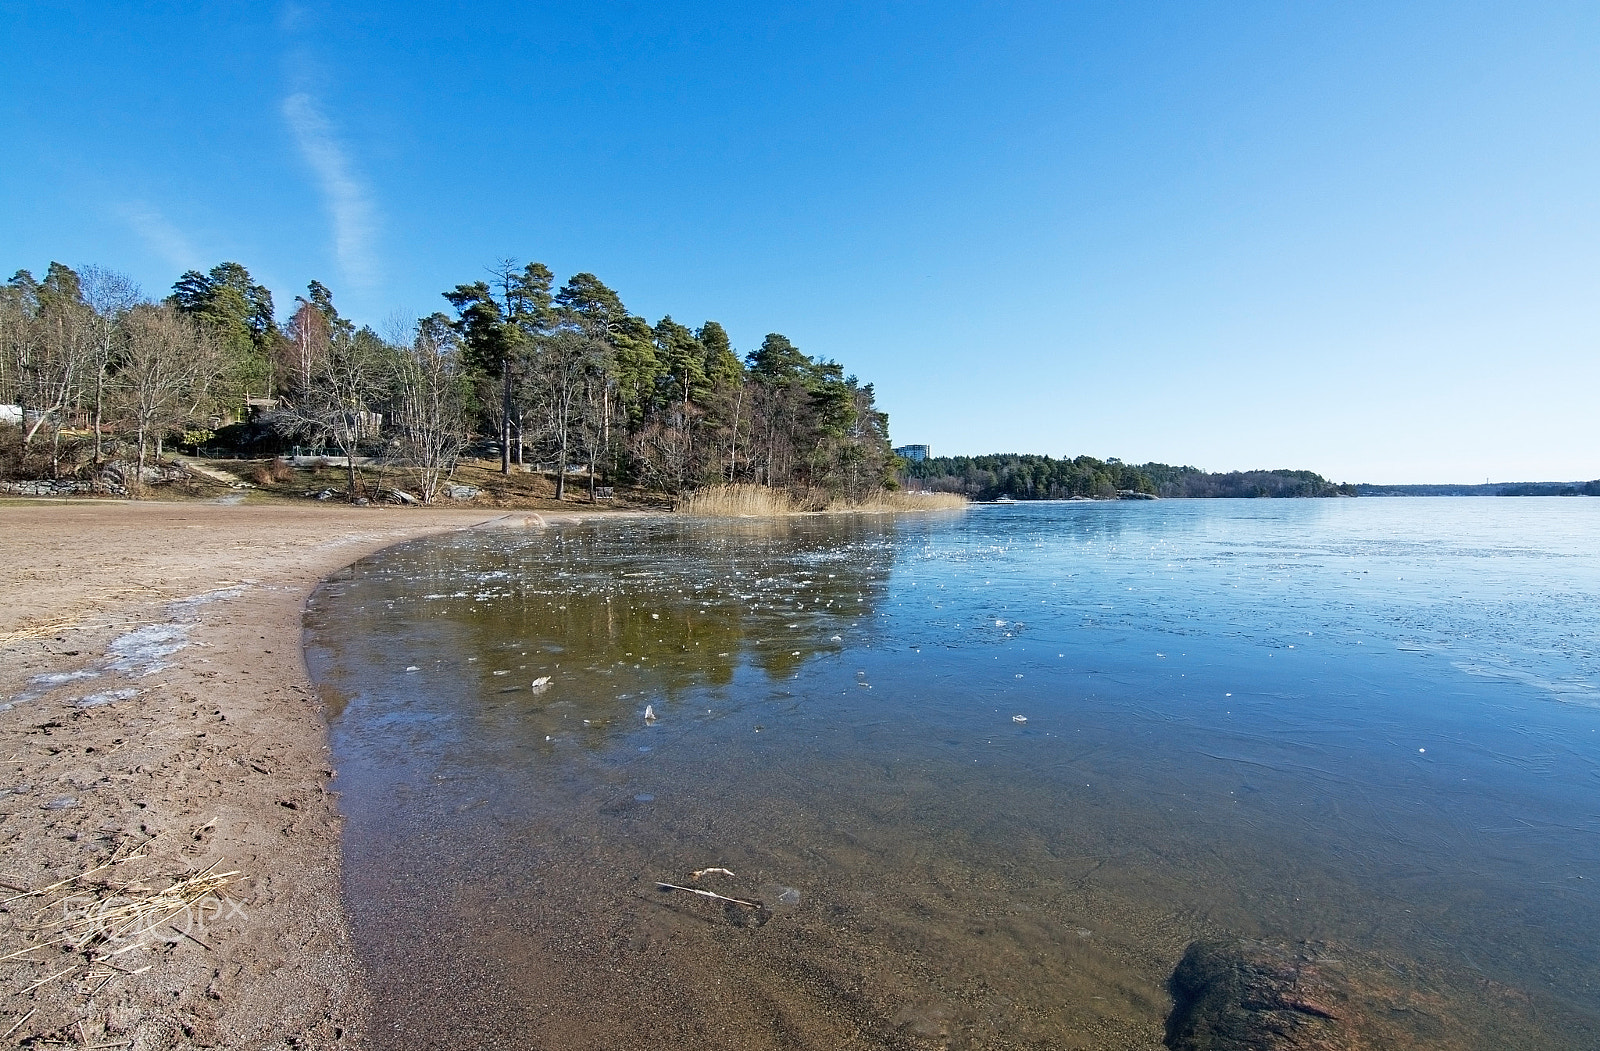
(345, 383)
(52, 354)
(110, 296)
(431, 389)
(19, 336)
(165, 378)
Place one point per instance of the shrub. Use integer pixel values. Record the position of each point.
(275, 471)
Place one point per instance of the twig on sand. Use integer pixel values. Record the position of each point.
(22, 952)
(53, 886)
(18, 1024)
(53, 977)
(191, 937)
(710, 894)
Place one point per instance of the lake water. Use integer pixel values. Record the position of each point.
(986, 773)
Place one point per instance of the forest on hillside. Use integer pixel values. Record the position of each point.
(565, 378)
(1028, 477)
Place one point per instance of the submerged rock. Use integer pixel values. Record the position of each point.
(1235, 994)
(1251, 996)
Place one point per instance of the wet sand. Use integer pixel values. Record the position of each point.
(130, 770)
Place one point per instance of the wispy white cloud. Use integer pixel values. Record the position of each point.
(355, 222)
(160, 235)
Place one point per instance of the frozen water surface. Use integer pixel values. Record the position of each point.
(1371, 723)
(145, 649)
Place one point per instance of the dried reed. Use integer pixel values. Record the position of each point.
(106, 920)
(737, 501)
(759, 501)
(40, 629)
(901, 500)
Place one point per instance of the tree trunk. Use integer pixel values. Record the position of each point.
(27, 439)
(136, 487)
(350, 463)
(505, 417)
(99, 412)
(733, 439)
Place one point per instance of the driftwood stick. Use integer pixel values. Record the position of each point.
(710, 894)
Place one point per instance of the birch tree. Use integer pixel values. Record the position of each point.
(54, 354)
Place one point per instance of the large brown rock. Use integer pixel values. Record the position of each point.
(1239, 995)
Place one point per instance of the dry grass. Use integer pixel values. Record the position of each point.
(40, 629)
(94, 924)
(758, 501)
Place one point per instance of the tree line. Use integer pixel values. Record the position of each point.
(566, 378)
(1029, 477)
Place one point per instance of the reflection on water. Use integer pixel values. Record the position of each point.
(1012, 762)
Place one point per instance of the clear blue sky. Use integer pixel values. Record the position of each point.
(1360, 238)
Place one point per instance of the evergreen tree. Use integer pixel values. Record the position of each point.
(239, 314)
(500, 337)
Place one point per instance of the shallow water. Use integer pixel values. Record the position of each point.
(1012, 761)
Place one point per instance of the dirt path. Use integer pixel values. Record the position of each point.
(157, 732)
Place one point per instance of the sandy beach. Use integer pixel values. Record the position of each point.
(169, 841)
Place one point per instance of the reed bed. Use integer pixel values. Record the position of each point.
(759, 501)
(737, 501)
(900, 500)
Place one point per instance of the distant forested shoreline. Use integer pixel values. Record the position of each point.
(1019, 476)
(1591, 488)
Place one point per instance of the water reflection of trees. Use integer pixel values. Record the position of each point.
(621, 614)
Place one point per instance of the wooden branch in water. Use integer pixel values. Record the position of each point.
(710, 894)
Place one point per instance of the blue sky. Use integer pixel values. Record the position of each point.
(1362, 239)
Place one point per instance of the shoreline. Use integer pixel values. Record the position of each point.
(159, 725)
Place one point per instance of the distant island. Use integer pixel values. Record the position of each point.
(1487, 489)
(1021, 476)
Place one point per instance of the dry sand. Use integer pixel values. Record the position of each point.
(152, 767)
